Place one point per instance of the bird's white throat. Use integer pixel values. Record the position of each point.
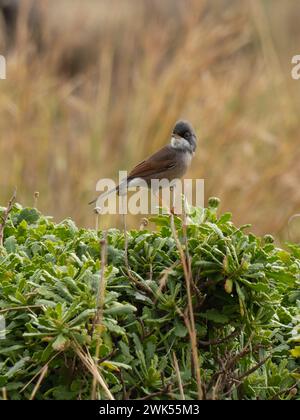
(180, 143)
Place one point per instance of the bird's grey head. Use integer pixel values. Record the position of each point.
(184, 136)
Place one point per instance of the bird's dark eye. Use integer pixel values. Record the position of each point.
(186, 135)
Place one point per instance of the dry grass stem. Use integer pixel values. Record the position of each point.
(182, 396)
(38, 384)
(5, 216)
(92, 367)
(189, 320)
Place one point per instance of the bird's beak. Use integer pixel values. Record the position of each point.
(176, 136)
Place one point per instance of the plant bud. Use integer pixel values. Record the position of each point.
(269, 239)
(245, 265)
(214, 202)
(228, 286)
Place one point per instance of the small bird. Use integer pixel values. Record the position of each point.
(171, 162)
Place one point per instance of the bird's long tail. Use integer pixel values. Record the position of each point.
(104, 195)
(120, 189)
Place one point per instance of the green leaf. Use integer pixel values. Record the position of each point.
(18, 367)
(60, 343)
(226, 217)
(10, 244)
(215, 316)
(120, 309)
(180, 330)
(31, 216)
(295, 352)
(3, 381)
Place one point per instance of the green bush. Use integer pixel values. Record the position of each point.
(245, 295)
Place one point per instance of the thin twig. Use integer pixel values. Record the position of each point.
(97, 212)
(239, 380)
(253, 369)
(123, 384)
(102, 284)
(225, 376)
(284, 391)
(37, 374)
(38, 384)
(166, 391)
(163, 280)
(190, 320)
(219, 340)
(4, 394)
(100, 306)
(35, 199)
(90, 364)
(216, 388)
(6, 214)
(200, 297)
(185, 238)
(178, 376)
(125, 235)
(19, 308)
(246, 350)
(138, 283)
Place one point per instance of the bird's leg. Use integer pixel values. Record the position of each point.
(97, 211)
(161, 202)
(125, 234)
(185, 205)
(157, 195)
(172, 208)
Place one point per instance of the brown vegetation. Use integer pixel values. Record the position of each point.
(110, 78)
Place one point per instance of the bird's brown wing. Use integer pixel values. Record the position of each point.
(161, 161)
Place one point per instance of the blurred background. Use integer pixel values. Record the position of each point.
(95, 86)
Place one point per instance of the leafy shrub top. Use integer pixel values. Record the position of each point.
(245, 300)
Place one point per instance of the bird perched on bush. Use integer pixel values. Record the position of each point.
(170, 163)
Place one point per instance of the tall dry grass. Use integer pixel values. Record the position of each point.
(112, 77)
